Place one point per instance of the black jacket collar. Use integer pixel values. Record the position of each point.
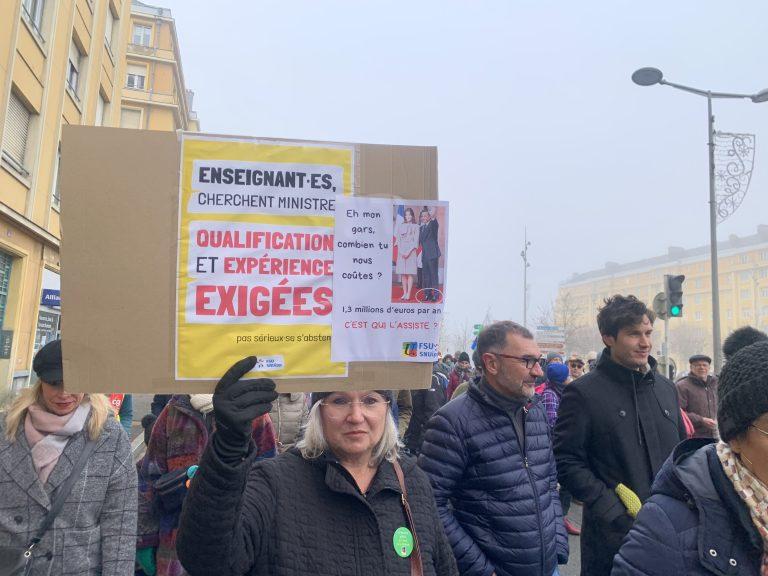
(616, 371)
(338, 479)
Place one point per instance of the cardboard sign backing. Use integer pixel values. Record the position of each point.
(119, 247)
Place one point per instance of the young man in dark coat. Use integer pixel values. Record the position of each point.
(489, 458)
(615, 428)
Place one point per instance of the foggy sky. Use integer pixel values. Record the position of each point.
(530, 104)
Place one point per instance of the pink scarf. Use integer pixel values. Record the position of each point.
(48, 435)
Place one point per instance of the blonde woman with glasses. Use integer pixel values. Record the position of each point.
(343, 501)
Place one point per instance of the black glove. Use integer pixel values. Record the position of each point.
(236, 403)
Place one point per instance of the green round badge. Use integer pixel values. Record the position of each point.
(403, 542)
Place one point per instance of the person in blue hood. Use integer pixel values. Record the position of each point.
(708, 511)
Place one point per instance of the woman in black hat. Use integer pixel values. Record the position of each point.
(343, 501)
(709, 510)
(61, 446)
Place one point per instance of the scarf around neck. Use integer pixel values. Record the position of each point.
(48, 434)
(751, 490)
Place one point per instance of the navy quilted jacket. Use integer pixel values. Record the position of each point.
(499, 504)
(694, 523)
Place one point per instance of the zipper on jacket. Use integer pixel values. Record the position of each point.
(532, 481)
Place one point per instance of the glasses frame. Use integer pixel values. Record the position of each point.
(763, 432)
(529, 361)
(348, 406)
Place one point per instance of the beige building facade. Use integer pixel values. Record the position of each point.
(62, 62)
(743, 277)
(155, 95)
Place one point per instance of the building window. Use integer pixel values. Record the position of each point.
(33, 10)
(697, 299)
(142, 34)
(130, 118)
(699, 316)
(16, 132)
(763, 272)
(744, 294)
(746, 314)
(745, 276)
(73, 72)
(136, 77)
(744, 259)
(56, 189)
(729, 314)
(101, 106)
(698, 283)
(109, 30)
(764, 292)
(764, 255)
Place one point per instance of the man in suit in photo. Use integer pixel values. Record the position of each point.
(430, 254)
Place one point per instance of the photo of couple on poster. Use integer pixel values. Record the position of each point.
(418, 252)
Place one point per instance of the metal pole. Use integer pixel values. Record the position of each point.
(713, 239)
(525, 279)
(666, 347)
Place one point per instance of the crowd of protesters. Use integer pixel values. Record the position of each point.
(473, 475)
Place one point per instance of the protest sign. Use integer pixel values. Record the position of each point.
(255, 260)
(121, 253)
(551, 339)
(381, 311)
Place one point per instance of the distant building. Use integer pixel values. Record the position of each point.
(154, 95)
(743, 276)
(61, 63)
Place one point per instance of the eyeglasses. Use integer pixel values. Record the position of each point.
(529, 361)
(341, 406)
(763, 432)
(576, 364)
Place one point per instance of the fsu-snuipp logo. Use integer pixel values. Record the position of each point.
(410, 349)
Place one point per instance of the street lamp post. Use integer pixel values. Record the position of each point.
(651, 76)
(526, 265)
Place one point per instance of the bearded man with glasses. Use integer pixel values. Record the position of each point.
(489, 458)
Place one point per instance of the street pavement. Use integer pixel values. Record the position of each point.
(574, 544)
(141, 404)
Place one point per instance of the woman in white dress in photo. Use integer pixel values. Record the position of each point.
(407, 242)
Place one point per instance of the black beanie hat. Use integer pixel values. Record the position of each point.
(316, 397)
(742, 394)
(463, 357)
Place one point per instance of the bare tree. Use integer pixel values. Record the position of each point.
(685, 340)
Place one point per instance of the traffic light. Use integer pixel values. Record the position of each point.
(673, 290)
(477, 329)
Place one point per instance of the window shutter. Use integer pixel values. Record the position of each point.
(130, 118)
(100, 105)
(109, 27)
(74, 55)
(16, 129)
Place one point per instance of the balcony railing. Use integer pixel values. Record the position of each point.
(143, 50)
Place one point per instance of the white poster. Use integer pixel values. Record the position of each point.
(388, 279)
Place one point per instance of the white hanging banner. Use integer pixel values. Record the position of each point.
(734, 161)
(388, 279)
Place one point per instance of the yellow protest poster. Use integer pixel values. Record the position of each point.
(255, 255)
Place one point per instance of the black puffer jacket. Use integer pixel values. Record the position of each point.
(290, 516)
(614, 425)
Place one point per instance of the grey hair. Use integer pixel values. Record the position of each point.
(494, 337)
(313, 444)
